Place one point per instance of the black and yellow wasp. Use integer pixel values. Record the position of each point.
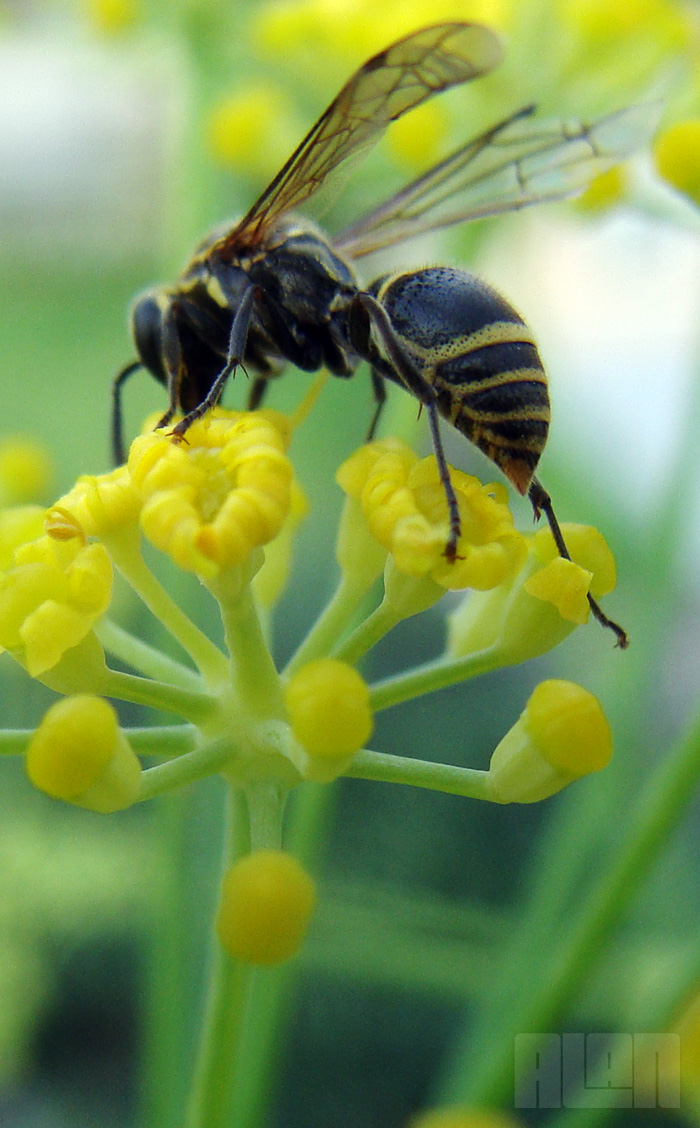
(272, 289)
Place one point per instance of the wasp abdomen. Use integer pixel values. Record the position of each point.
(480, 357)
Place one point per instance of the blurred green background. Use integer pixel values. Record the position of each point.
(105, 185)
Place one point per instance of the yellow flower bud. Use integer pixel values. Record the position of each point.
(19, 524)
(329, 711)
(266, 904)
(463, 1118)
(25, 470)
(102, 505)
(537, 609)
(112, 17)
(561, 735)
(418, 139)
(249, 131)
(605, 190)
(79, 753)
(677, 157)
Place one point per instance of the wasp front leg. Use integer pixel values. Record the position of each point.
(404, 371)
(236, 350)
(172, 361)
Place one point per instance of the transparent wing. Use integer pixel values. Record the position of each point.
(515, 164)
(388, 85)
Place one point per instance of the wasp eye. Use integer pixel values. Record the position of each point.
(147, 331)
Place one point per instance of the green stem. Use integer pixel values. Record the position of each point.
(209, 660)
(226, 1011)
(663, 1015)
(187, 768)
(273, 992)
(266, 801)
(166, 1022)
(469, 782)
(433, 676)
(13, 742)
(145, 658)
(257, 681)
(194, 707)
(544, 998)
(331, 624)
(382, 620)
(161, 740)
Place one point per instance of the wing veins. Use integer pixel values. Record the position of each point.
(567, 155)
(387, 86)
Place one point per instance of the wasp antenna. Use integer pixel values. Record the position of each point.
(542, 503)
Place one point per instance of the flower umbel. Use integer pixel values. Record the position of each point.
(212, 503)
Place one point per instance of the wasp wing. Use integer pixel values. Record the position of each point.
(514, 164)
(387, 86)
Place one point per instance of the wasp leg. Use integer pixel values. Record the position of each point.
(236, 349)
(379, 389)
(257, 392)
(117, 427)
(172, 362)
(542, 503)
(412, 380)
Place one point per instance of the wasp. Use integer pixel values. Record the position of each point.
(272, 289)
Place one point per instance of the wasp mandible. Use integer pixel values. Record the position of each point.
(272, 289)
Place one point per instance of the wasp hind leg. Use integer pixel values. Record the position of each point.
(414, 382)
(542, 503)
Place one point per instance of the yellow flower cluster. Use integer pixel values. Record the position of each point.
(404, 505)
(210, 500)
(51, 598)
